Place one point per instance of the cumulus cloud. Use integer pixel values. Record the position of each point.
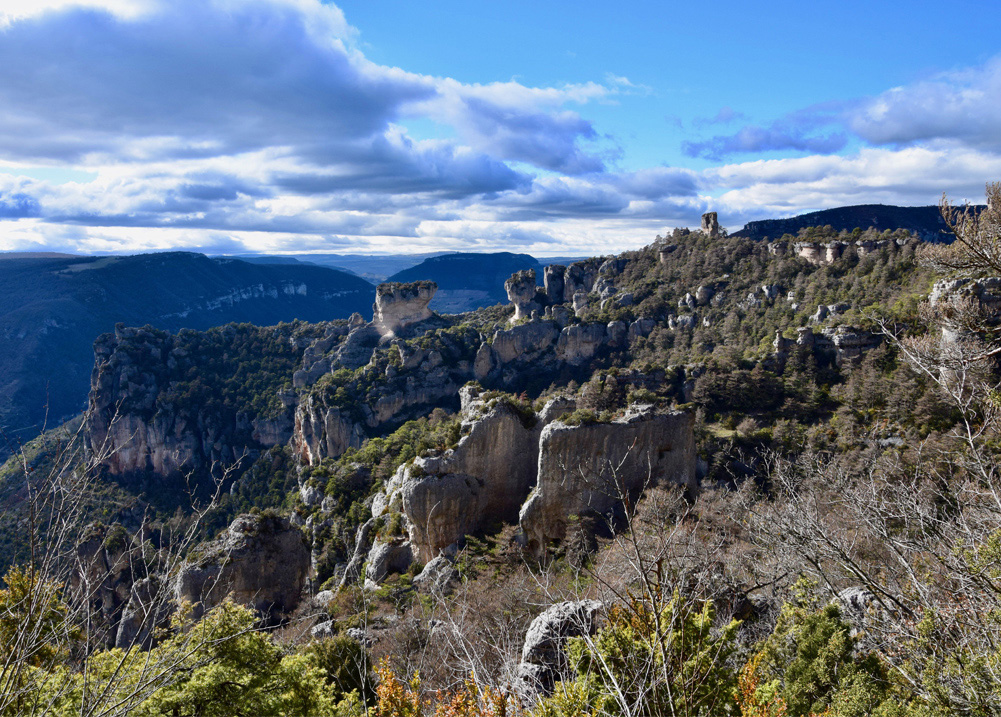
(259, 125)
(960, 106)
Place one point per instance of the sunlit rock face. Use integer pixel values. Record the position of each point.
(710, 224)
(600, 469)
(400, 305)
(521, 292)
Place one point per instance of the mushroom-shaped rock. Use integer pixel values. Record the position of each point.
(521, 292)
(600, 469)
(260, 561)
(543, 656)
(400, 305)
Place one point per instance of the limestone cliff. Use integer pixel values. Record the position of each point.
(259, 561)
(164, 404)
(506, 451)
(600, 469)
(400, 305)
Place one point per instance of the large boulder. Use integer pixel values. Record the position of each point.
(543, 655)
(260, 561)
(387, 557)
(600, 469)
(438, 577)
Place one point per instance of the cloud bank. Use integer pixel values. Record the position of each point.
(259, 125)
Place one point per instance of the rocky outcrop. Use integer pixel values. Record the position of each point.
(531, 338)
(579, 343)
(848, 344)
(485, 478)
(363, 545)
(438, 577)
(543, 655)
(521, 291)
(398, 306)
(149, 411)
(986, 292)
(580, 278)
(147, 609)
(710, 224)
(321, 431)
(259, 561)
(600, 469)
(554, 282)
(824, 253)
(387, 557)
(104, 572)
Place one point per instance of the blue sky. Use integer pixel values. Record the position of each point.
(554, 128)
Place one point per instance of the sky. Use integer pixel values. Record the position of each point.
(555, 128)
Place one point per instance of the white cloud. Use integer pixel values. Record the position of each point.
(260, 124)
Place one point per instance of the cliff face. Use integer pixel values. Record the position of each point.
(514, 466)
(259, 561)
(167, 404)
(398, 306)
(407, 360)
(482, 480)
(601, 469)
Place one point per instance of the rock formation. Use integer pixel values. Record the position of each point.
(259, 561)
(710, 224)
(554, 282)
(140, 423)
(485, 478)
(400, 305)
(543, 655)
(523, 293)
(321, 431)
(601, 469)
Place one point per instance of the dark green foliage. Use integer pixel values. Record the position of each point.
(346, 665)
(810, 660)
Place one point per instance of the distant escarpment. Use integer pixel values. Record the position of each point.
(53, 307)
(924, 222)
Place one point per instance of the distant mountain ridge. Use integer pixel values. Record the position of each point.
(54, 307)
(925, 222)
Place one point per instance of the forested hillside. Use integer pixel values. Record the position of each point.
(717, 475)
(54, 308)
